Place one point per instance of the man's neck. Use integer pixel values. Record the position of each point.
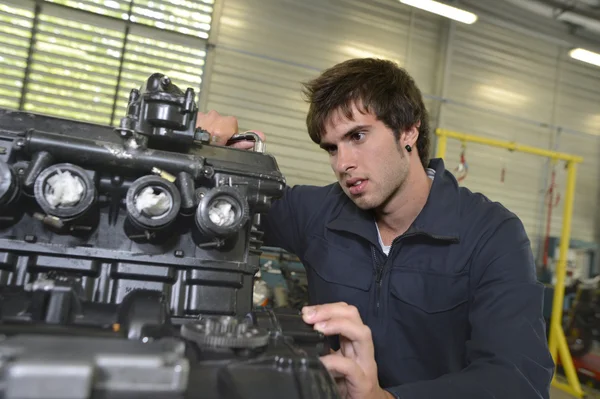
(397, 214)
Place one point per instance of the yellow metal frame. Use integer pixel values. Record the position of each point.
(557, 342)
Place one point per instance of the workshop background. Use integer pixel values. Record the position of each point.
(512, 75)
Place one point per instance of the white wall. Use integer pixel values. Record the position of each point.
(494, 81)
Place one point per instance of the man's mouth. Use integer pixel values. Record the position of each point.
(354, 182)
(356, 186)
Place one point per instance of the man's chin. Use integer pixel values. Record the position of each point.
(363, 202)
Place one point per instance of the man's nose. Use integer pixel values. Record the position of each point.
(345, 160)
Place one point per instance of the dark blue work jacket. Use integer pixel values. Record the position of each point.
(455, 310)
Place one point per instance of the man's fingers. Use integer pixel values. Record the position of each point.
(358, 333)
(260, 134)
(247, 144)
(321, 313)
(342, 367)
(346, 327)
(221, 128)
(205, 120)
(243, 145)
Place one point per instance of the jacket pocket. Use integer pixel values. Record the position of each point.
(429, 312)
(429, 292)
(336, 275)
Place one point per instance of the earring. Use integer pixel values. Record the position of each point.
(408, 148)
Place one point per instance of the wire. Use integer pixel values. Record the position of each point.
(462, 169)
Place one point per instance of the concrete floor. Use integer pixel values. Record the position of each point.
(558, 394)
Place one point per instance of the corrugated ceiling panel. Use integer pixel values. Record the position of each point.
(585, 208)
(266, 95)
(267, 48)
(505, 80)
(579, 97)
(579, 109)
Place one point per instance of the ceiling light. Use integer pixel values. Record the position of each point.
(585, 56)
(442, 9)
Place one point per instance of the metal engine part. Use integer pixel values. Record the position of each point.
(127, 258)
(225, 332)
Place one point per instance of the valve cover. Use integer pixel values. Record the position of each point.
(127, 256)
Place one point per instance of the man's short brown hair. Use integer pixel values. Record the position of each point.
(382, 88)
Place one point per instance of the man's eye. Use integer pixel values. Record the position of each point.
(358, 136)
(330, 149)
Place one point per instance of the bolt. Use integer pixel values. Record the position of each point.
(163, 174)
(30, 238)
(208, 172)
(165, 81)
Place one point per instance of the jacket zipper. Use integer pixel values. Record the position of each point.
(378, 276)
(380, 269)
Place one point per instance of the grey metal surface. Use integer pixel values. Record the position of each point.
(62, 367)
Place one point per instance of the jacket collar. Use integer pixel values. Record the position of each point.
(438, 219)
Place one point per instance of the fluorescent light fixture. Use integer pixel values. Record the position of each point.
(585, 56)
(443, 9)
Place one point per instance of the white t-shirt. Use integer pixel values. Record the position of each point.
(386, 248)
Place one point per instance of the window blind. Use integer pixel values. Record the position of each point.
(190, 17)
(16, 22)
(110, 8)
(74, 67)
(89, 54)
(176, 57)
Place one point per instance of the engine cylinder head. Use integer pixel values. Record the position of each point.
(221, 212)
(65, 191)
(152, 203)
(9, 186)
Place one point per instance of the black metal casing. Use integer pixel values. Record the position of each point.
(102, 277)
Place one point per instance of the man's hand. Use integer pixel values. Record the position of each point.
(221, 128)
(353, 366)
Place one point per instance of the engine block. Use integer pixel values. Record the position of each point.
(127, 258)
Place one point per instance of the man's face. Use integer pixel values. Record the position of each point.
(366, 157)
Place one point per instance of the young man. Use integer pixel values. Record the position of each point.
(429, 289)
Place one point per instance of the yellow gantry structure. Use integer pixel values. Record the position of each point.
(557, 342)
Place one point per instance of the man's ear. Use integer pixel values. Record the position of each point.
(410, 136)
